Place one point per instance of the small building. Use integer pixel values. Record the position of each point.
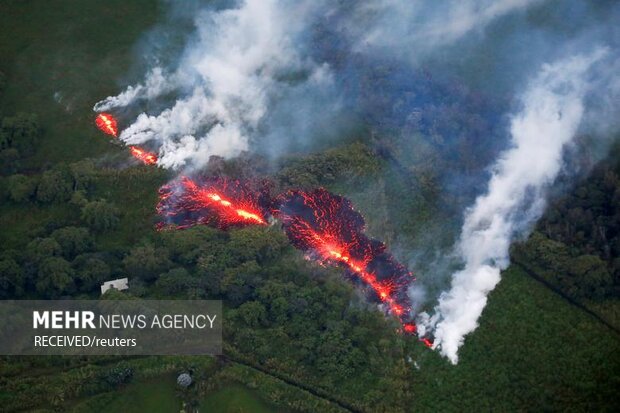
(120, 284)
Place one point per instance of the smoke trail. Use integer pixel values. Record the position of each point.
(156, 84)
(239, 60)
(552, 112)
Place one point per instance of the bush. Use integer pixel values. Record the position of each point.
(117, 376)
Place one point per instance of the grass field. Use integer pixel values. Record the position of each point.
(153, 395)
(158, 395)
(540, 351)
(234, 398)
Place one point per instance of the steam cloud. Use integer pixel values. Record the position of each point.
(255, 69)
(552, 112)
(240, 64)
(227, 76)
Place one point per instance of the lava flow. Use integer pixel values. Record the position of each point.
(323, 225)
(214, 201)
(148, 158)
(107, 124)
(328, 229)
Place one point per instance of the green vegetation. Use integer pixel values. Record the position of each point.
(234, 399)
(577, 243)
(297, 337)
(152, 395)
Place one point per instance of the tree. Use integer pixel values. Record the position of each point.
(256, 243)
(20, 132)
(82, 173)
(55, 277)
(176, 282)
(9, 161)
(253, 314)
(73, 240)
(41, 248)
(78, 198)
(278, 310)
(11, 279)
(583, 276)
(241, 283)
(113, 295)
(20, 188)
(100, 215)
(591, 276)
(54, 187)
(187, 246)
(147, 262)
(90, 272)
(2, 82)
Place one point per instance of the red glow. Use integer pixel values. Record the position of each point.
(107, 124)
(323, 225)
(148, 158)
(427, 342)
(330, 230)
(410, 328)
(217, 202)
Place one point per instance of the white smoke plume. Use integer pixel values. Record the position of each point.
(412, 27)
(236, 68)
(553, 108)
(227, 77)
(249, 74)
(156, 84)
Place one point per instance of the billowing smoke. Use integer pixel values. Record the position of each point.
(156, 84)
(435, 80)
(553, 107)
(247, 66)
(239, 60)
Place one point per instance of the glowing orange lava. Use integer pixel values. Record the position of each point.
(428, 343)
(107, 124)
(148, 158)
(323, 225)
(409, 328)
(217, 202)
(328, 228)
(206, 195)
(330, 251)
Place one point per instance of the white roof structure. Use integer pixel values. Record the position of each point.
(120, 284)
